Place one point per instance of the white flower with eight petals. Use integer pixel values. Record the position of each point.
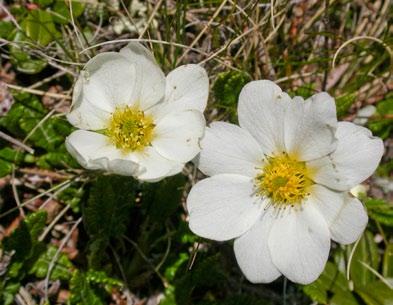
(279, 183)
(132, 119)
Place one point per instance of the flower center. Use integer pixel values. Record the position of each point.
(284, 180)
(130, 129)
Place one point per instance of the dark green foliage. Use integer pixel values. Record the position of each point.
(227, 87)
(24, 248)
(204, 275)
(166, 198)
(107, 212)
(86, 287)
(81, 291)
(226, 90)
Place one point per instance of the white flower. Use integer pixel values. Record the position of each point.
(132, 119)
(279, 183)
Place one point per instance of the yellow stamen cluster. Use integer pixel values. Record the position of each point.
(284, 180)
(130, 129)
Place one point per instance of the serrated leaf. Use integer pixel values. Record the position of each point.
(36, 223)
(343, 103)
(101, 278)
(81, 291)
(107, 212)
(204, 274)
(61, 269)
(23, 242)
(227, 87)
(166, 198)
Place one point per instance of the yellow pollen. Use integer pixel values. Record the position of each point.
(284, 180)
(130, 129)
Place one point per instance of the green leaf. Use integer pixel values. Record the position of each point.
(36, 223)
(82, 293)
(6, 28)
(333, 281)
(227, 87)
(107, 212)
(204, 274)
(57, 159)
(171, 270)
(62, 10)
(343, 103)
(376, 293)
(24, 243)
(5, 168)
(20, 58)
(26, 114)
(60, 271)
(304, 91)
(387, 267)
(365, 253)
(226, 90)
(9, 292)
(39, 27)
(380, 210)
(166, 198)
(43, 3)
(101, 278)
(72, 196)
(381, 126)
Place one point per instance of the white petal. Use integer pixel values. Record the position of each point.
(223, 207)
(350, 222)
(150, 78)
(355, 159)
(108, 80)
(84, 114)
(177, 135)
(345, 215)
(299, 244)
(261, 111)
(94, 151)
(153, 166)
(253, 254)
(310, 127)
(227, 148)
(187, 87)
